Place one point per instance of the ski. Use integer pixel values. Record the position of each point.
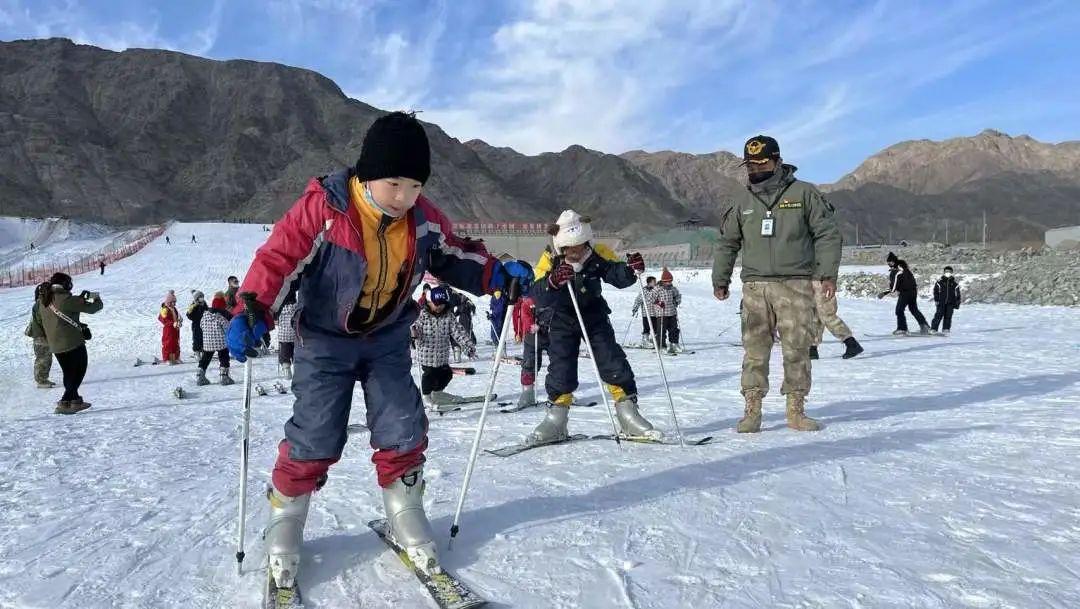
(512, 407)
(281, 598)
(448, 591)
(463, 371)
(647, 440)
(515, 449)
(670, 354)
(154, 362)
(456, 404)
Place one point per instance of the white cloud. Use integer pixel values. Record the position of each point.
(69, 19)
(584, 72)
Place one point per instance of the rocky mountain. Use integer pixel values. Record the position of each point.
(926, 167)
(703, 181)
(913, 190)
(144, 136)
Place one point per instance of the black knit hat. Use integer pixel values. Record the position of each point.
(891, 257)
(395, 147)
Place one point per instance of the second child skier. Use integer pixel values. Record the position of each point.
(432, 333)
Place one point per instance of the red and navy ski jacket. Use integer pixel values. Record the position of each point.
(317, 248)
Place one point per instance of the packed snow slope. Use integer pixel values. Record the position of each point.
(946, 475)
(56, 240)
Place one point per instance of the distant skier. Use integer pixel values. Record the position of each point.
(531, 328)
(947, 298)
(496, 315)
(214, 324)
(194, 314)
(433, 332)
(666, 302)
(193, 239)
(582, 266)
(647, 309)
(167, 240)
(230, 291)
(170, 330)
(102, 265)
(464, 311)
(355, 246)
(902, 283)
(286, 337)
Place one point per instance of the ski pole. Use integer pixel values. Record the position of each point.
(592, 358)
(245, 430)
(663, 372)
(454, 528)
(626, 332)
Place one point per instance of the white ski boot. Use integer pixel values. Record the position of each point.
(631, 423)
(200, 377)
(646, 341)
(284, 535)
(409, 526)
(285, 371)
(553, 427)
(527, 397)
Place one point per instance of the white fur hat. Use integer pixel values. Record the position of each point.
(571, 229)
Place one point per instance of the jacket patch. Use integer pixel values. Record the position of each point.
(786, 204)
(747, 212)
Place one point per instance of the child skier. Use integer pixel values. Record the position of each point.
(194, 314)
(214, 324)
(531, 328)
(286, 337)
(647, 311)
(355, 247)
(947, 298)
(902, 283)
(170, 330)
(432, 333)
(666, 301)
(581, 266)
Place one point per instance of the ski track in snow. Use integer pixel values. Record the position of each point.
(946, 475)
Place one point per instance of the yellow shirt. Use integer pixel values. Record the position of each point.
(386, 250)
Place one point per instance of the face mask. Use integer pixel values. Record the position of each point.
(758, 178)
(372, 202)
(948, 273)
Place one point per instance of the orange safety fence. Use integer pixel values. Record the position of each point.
(38, 273)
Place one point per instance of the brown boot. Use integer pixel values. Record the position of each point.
(63, 407)
(79, 405)
(796, 414)
(751, 421)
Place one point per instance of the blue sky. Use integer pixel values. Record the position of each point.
(834, 81)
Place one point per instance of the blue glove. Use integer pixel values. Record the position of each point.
(240, 337)
(504, 272)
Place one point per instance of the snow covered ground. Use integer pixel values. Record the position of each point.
(946, 476)
(56, 240)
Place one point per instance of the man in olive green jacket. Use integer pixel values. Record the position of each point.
(788, 238)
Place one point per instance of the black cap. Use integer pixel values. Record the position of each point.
(395, 147)
(948, 268)
(759, 149)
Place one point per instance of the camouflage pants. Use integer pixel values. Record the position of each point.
(767, 307)
(42, 361)
(827, 318)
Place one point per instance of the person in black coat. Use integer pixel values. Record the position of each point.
(194, 313)
(902, 283)
(947, 298)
